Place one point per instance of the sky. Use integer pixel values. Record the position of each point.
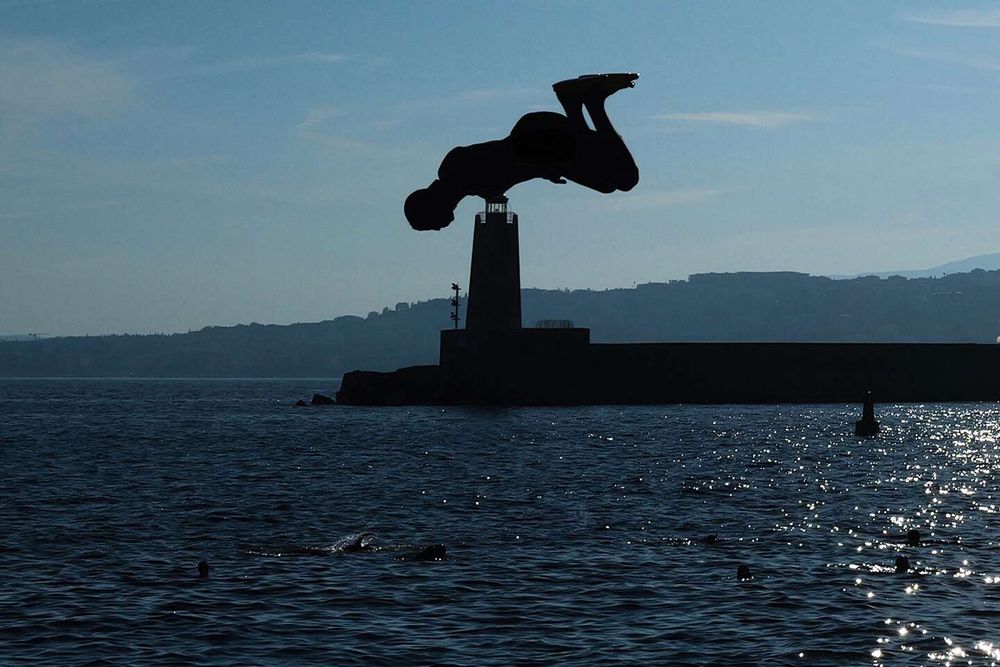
(166, 166)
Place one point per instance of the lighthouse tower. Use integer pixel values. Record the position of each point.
(494, 358)
(494, 302)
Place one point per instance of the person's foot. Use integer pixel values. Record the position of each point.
(589, 86)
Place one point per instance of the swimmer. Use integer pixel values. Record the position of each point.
(542, 144)
(203, 569)
(743, 573)
(710, 539)
(434, 552)
(914, 538)
(902, 564)
(362, 543)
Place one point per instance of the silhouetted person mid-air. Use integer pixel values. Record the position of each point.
(543, 144)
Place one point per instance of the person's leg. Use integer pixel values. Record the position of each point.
(570, 96)
(573, 94)
(603, 161)
(602, 87)
(609, 160)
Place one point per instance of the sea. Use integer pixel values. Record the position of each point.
(573, 536)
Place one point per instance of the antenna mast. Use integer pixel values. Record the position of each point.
(454, 304)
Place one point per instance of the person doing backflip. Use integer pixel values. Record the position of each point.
(542, 144)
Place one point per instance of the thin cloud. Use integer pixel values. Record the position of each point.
(646, 201)
(486, 95)
(761, 119)
(314, 119)
(948, 88)
(476, 97)
(43, 79)
(945, 57)
(240, 65)
(956, 18)
(49, 213)
(316, 125)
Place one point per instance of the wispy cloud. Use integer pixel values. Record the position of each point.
(948, 88)
(477, 97)
(311, 127)
(316, 117)
(646, 201)
(484, 95)
(316, 125)
(239, 65)
(59, 211)
(761, 119)
(978, 62)
(317, 128)
(958, 18)
(42, 79)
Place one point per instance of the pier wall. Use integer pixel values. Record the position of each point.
(561, 368)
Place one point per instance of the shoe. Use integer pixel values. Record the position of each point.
(588, 85)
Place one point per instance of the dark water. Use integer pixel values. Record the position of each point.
(573, 535)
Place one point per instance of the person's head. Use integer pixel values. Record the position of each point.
(743, 572)
(710, 539)
(429, 208)
(902, 564)
(434, 552)
(913, 537)
(203, 569)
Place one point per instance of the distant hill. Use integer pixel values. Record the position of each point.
(986, 262)
(960, 307)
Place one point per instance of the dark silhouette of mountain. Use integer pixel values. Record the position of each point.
(989, 262)
(781, 306)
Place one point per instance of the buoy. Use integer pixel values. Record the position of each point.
(867, 426)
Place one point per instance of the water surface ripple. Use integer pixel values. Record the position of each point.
(574, 535)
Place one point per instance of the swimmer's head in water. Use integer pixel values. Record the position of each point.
(203, 569)
(902, 564)
(433, 552)
(743, 572)
(913, 537)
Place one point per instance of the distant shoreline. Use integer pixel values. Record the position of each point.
(775, 307)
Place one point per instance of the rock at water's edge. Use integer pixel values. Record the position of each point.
(320, 399)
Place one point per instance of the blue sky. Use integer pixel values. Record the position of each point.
(170, 165)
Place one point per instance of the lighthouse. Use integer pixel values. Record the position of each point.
(494, 359)
(494, 302)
